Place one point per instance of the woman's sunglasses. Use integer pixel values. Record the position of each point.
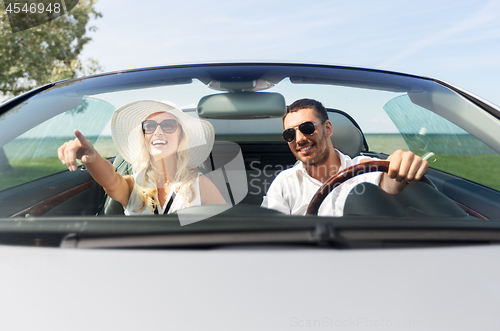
(168, 126)
(306, 128)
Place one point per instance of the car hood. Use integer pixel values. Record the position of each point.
(249, 288)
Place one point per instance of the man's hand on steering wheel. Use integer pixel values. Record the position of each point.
(404, 167)
(366, 167)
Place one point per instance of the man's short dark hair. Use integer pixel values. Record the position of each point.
(308, 103)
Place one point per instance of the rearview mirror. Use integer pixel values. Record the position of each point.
(241, 105)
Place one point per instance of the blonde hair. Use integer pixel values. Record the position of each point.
(183, 183)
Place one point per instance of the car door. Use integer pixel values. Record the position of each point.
(33, 181)
(461, 166)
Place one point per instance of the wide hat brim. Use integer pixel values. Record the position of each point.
(128, 137)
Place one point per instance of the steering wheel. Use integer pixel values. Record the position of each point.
(346, 174)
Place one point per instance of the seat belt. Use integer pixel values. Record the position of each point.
(169, 204)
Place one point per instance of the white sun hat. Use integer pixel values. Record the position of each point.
(128, 137)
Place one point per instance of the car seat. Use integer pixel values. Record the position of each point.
(347, 136)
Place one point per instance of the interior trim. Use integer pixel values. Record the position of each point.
(471, 211)
(40, 208)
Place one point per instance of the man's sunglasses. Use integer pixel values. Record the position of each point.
(168, 126)
(306, 128)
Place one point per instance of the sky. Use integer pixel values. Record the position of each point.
(457, 41)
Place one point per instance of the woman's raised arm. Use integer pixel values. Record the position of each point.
(116, 186)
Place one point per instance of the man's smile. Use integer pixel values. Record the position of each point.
(304, 150)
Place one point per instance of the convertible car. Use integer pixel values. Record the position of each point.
(70, 258)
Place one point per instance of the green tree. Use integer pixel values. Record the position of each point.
(46, 53)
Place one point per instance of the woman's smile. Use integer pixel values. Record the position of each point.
(158, 142)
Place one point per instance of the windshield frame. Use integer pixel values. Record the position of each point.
(379, 80)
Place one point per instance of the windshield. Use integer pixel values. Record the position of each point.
(387, 112)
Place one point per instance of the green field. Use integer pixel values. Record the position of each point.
(25, 170)
(386, 143)
(481, 168)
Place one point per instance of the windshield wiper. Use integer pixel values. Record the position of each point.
(313, 235)
(346, 235)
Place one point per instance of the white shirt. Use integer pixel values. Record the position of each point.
(292, 190)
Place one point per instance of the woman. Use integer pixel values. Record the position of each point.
(164, 146)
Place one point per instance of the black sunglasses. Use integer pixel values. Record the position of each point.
(306, 128)
(168, 126)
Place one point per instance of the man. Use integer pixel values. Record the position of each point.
(308, 131)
